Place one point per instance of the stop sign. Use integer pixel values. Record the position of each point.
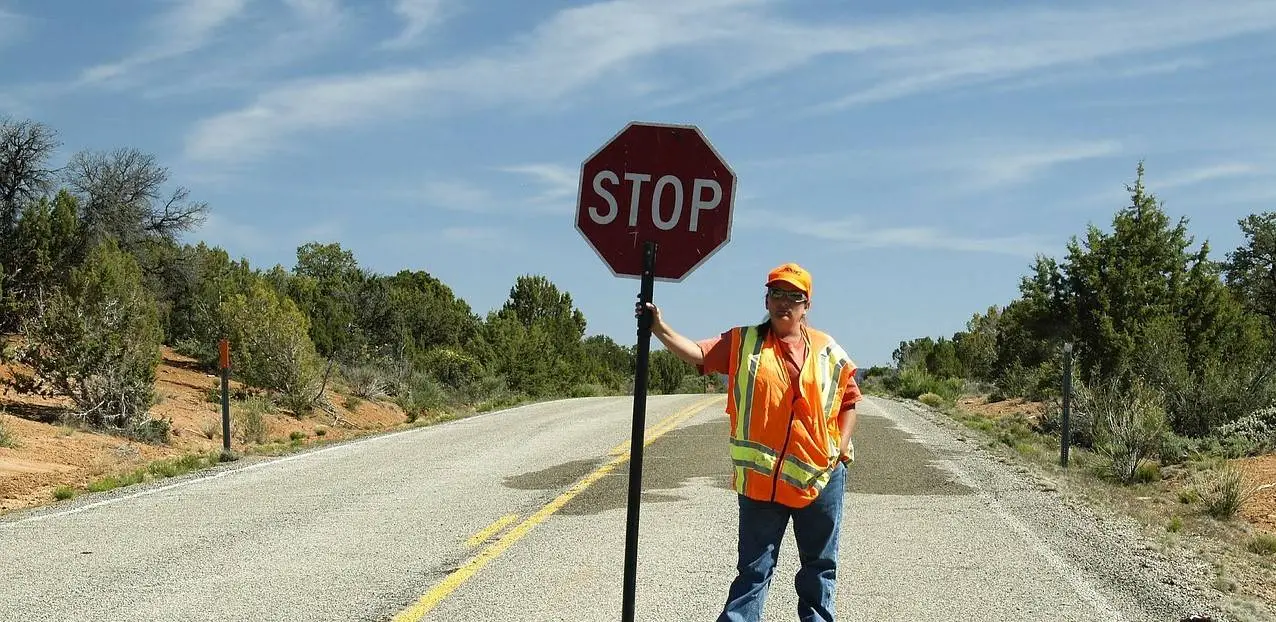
(655, 182)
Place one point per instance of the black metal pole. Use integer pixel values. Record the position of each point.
(224, 360)
(1065, 433)
(639, 425)
(225, 409)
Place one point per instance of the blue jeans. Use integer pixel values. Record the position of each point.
(815, 528)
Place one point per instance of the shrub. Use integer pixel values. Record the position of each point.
(588, 390)
(420, 395)
(1222, 492)
(931, 399)
(1129, 424)
(451, 367)
(153, 431)
(366, 381)
(1033, 383)
(7, 438)
(97, 341)
(1080, 421)
(914, 381)
(1177, 449)
(250, 420)
(1217, 395)
(692, 383)
(1013, 431)
(1251, 435)
(270, 344)
(1147, 472)
(1263, 544)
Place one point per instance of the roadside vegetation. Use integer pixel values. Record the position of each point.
(96, 283)
(1173, 411)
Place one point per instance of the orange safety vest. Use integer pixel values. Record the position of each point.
(784, 439)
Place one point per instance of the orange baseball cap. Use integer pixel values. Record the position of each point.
(792, 274)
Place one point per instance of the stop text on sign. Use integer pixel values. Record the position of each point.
(692, 198)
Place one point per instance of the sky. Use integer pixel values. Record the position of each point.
(915, 157)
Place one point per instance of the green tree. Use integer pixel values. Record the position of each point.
(942, 359)
(976, 347)
(913, 353)
(666, 372)
(97, 341)
(326, 285)
(42, 252)
(1251, 268)
(195, 320)
(270, 344)
(1119, 282)
(524, 357)
(425, 314)
(25, 175)
(535, 300)
(122, 197)
(534, 339)
(607, 363)
(1139, 304)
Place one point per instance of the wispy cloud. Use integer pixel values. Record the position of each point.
(313, 104)
(574, 48)
(457, 196)
(188, 26)
(958, 164)
(418, 16)
(979, 47)
(1167, 67)
(305, 29)
(238, 237)
(1203, 174)
(558, 186)
(1113, 194)
(1022, 164)
(553, 191)
(1087, 72)
(856, 232)
(721, 45)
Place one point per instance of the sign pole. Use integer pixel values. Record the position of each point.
(224, 360)
(650, 186)
(639, 425)
(1065, 434)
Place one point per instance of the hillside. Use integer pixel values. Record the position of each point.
(47, 454)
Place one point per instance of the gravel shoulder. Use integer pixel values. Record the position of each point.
(1107, 556)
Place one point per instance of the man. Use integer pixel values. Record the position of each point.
(791, 403)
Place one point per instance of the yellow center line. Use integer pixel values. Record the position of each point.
(482, 536)
(438, 593)
(656, 431)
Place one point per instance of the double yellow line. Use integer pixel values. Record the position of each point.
(432, 598)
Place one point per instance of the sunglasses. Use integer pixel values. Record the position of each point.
(786, 295)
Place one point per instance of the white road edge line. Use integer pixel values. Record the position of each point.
(1083, 589)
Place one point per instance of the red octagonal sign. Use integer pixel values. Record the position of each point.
(657, 182)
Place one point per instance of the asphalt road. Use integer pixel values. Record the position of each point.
(520, 515)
